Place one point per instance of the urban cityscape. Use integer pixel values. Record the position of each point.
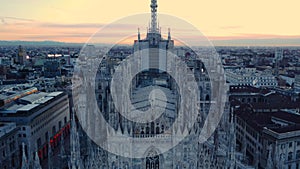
(155, 103)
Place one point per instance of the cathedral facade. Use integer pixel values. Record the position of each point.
(153, 88)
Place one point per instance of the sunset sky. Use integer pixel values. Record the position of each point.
(76, 21)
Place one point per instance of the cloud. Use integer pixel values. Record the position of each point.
(13, 28)
(87, 25)
(19, 19)
(55, 36)
(57, 25)
(37, 24)
(27, 29)
(230, 27)
(258, 42)
(267, 36)
(3, 21)
(12, 20)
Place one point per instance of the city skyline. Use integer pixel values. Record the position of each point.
(224, 23)
(86, 85)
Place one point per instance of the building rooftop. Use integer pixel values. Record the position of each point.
(8, 95)
(6, 128)
(247, 89)
(33, 97)
(279, 121)
(27, 107)
(265, 99)
(29, 102)
(141, 101)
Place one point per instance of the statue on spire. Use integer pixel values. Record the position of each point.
(139, 34)
(154, 27)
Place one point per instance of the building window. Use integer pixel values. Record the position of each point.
(290, 156)
(248, 100)
(53, 130)
(157, 130)
(290, 144)
(46, 136)
(3, 154)
(298, 154)
(162, 128)
(282, 156)
(207, 98)
(13, 161)
(39, 142)
(12, 146)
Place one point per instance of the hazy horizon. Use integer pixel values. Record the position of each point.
(238, 43)
(230, 22)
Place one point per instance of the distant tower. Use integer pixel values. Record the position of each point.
(21, 56)
(278, 58)
(69, 57)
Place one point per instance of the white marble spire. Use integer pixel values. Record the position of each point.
(154, 27)
(24, 158)
(37, 164)
(50, 166)
(139, 34)
(75, 159)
